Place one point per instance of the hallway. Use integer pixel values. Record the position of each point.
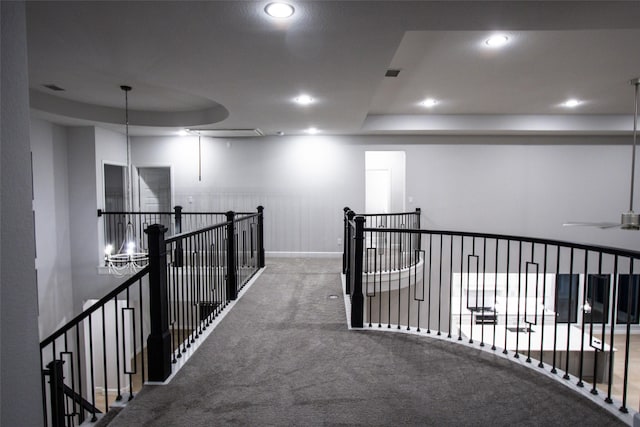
(284, 356)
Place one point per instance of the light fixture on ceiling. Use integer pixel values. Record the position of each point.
(279, 10)
(183, 132)
(429, 102)
(304, 99)
(571, 103)
(628, 220)
(497, 40)
(312, 131)
(126, 260)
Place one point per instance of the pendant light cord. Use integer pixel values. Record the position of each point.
(126, 90)
(634, 82)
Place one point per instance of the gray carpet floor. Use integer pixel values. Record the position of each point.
(283, 356)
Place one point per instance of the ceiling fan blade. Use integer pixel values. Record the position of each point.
(603, 225)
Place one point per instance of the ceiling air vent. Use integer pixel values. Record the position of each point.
(54, 87)
(228, 133)
(392, 73)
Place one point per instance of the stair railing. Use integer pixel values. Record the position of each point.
(136, 332)
(569, 307)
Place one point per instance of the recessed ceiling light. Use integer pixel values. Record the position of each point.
(279, 10)
(429, 102)
(312, 131)
(571, 103)
(183, 132)
(303, 100)
(497, 40)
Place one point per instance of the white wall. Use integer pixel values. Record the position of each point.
(110, 147)
(68, 190)
(528, 190)
(87, 148)
(51, 207)
(299, 181)
(21, 390)
(512, 185)
(509, 185)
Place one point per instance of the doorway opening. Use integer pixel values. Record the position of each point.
(384, 181)
(114, 188)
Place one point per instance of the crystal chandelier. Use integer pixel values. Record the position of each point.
(129, 258)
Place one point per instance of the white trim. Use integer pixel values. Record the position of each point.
(278, 254)
(347, 300)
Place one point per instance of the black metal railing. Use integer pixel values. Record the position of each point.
(570, 307)
(206, 269)
(89, 365)
(408, 220)
(119, 228)
(136, 332)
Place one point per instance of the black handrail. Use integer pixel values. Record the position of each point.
(188, 279)
(102, 212)
(511, 285)
(120, 228)
(409, 220)
(81, 401)
(188, 234)
(416, 212)
(95, 307)
(536, 240)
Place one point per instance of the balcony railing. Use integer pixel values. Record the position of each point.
(123, 228)
(569, 308)
(138, 331)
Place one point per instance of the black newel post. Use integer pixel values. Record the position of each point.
(56, 387)
(357, 299)
(178, 255)
(348, 248)
(418, 236)
(232, 285)
(159, 340)
(344, 241)
(178, 218)
(261, 263)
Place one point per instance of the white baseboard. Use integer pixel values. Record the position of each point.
(277, 254)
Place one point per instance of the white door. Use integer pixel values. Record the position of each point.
(378, 191)
(154, 189)
(384, 182)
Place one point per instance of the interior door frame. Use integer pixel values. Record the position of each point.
(102, 190)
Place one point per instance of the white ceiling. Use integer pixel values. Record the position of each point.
(226, 65)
